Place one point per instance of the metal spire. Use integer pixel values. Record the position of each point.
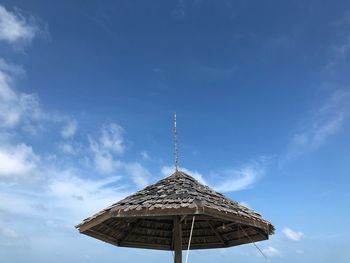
(176, 151)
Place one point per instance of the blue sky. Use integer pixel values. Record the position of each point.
(87, 95)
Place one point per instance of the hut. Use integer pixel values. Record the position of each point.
(177, 213)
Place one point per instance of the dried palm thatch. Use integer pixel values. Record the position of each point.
(155, 216)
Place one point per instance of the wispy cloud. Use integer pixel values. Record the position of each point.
(340, 46)
(145, 155)
(69, 129)
(299, 251)
(241, 178)
(18, 161)
(178, 13)
(67, 148)
(110, 139)
(108, 145)
(328, 120)
(340, 52)
(64, 192)
(139, 174)
(19, 110)
(11, 104)
(271, 252)
(293, 235)
(8, 233)
(230, 180)
(245, 204)
(9, 237)
(68, 191)
(11, 68)
(15, 28)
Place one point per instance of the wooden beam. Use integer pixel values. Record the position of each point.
(260, 223)
(157, 212)
(85, 225)
(206, 245)
(129, 231)
(216, 233)
(188, 230)
(168, 231)
(145, 245)
(262, 232)
(172, 241)
(205, 211)
(245, 240)
(229, 225)
(101, 236)
(166, 222)
(110, 229)
(151, 237)
(177, 240)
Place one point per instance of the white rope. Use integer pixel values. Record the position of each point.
(262, 253)
(189, 241)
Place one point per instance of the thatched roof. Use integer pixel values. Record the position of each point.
(145, 219)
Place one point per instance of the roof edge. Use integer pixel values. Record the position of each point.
(255, 222)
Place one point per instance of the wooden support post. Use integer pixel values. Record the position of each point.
(177, 240)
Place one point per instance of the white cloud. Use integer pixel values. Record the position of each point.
(15, 28)
(6, 93)
(230, 180)
(339, 49)
(67, 148)
(245, 204)
(106, 163)
(11, 68)
(145, 155)
(16, 107)
(22, 111)
(105, 148)
(168, 170)
(6, 71)
(79, 197)
(292, 235)
(240, 179)
(8, 233)
(271, 252)
(339, 52)
(139, 174)
(17, 161)
(9, 237)
(9, 110)
(111, 138)
(318, 134)
(64, 196)
(325, 123)
(69, 129)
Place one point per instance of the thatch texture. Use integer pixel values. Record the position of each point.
(145, 219)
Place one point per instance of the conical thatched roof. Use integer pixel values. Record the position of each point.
(145, 219)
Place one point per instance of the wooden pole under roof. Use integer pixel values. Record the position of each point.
(177, 240)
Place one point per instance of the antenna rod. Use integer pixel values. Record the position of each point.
(176, 151)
